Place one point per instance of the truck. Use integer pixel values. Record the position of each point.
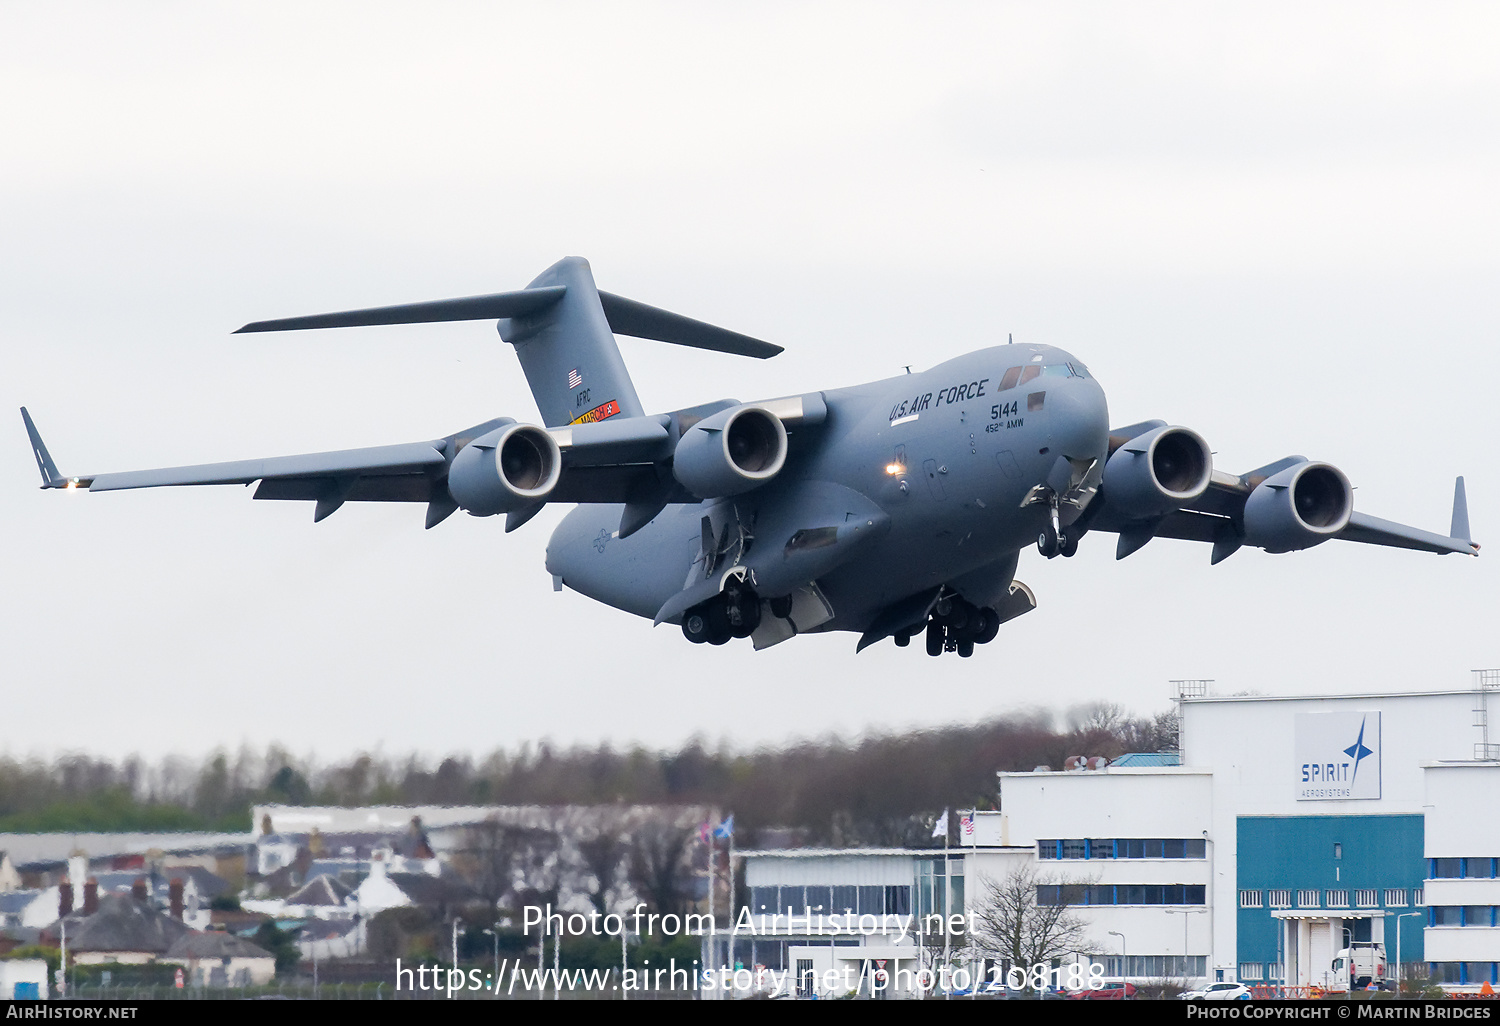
(1357, 967)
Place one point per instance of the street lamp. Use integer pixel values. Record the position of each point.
(1403, 915)
(1124, 960)
(1184, 913)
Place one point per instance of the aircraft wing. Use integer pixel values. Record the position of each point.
(604, 462)
(1217, 516)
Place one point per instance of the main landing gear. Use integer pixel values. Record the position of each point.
(733, 613)
(956, 626)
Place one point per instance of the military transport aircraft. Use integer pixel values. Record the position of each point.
(890, 509)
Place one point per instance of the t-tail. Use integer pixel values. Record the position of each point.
(563, 329)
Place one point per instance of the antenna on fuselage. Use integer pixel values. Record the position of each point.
(1010, 338)
(908, 368)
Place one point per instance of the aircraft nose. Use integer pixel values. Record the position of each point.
(1079, 418)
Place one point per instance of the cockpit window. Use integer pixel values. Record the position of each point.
(1029, 373)
(1065, 370)
(1011, 377)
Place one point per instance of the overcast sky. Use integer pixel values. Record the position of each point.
(1275, 224)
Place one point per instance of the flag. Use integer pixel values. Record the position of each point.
(940, 828)
(705, 831)
(966, 825)
(725, 829)
(574, 380)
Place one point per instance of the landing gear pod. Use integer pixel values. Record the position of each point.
(731, 452)
(1298, 508)
(510, 468)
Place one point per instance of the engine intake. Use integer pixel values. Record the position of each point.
(1155, 473)
(508, 469)
(731, 452)
(1298, 508)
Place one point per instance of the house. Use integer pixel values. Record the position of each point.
(126, 929)
(221, 960)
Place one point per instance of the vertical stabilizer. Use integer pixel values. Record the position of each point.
(569, 354)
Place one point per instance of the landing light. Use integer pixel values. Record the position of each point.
(894, 469)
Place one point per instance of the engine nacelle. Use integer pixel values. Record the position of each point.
(731, 452)
(1298, 508)
(1155, 473)
(507, 469)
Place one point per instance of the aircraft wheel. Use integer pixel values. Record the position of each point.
(695, 627)
(1047, 542)
(901, 640)
(934, 640)
(1067, 545)
(989, 626)
(965, 648)
(741, 613)
(781, 607)
(717, 616)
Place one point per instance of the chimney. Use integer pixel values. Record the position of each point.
(91, 897)
(64, 899)
(138, 889)
(78, 871)
(175, 891)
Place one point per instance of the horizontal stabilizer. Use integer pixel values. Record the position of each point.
(627, 317)
(521, 303)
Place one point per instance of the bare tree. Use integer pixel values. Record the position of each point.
(1027, 919)
(660, 866)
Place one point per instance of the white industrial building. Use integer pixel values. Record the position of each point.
(1291, 828)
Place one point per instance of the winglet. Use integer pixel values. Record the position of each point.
(50, 477)
(1460, 528)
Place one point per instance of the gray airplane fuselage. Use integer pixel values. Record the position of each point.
(933, 466)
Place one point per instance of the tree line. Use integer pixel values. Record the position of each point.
(878, 790)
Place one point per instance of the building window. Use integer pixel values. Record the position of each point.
(1252, 971)
(1445, 915)
(1252, 899)
(1338, 899)
(1447, 869)
(1367, 899)
(1479, 869)
(1309, 899)
(1479, 915)
(1338, 850)
(1395, 897)
(1281, 899)
(1418, 897)
(1074, 849)
(1046, 849)
(1156, 967)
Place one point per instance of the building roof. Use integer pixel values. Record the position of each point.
(321, 890)
(1148, 759)
(215, 944)
(124, 924)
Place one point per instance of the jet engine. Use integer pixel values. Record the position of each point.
(1298, 508)
(731, 452)
(507, 469)
(1155, 473)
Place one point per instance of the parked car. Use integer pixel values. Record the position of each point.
(1108, 992)
(1225, 991)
